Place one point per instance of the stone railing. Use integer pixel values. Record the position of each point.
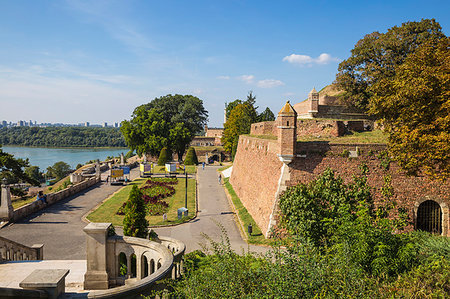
(13, 251)
(125, 266)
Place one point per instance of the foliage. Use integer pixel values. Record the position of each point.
(146, 132)
(239, 122)
(266, 115)
(134, 222)
(152, 235)
(169, 121)
(129, 154)
(62, 137)
(180, 138)
(163, 157)
(414, 106)
(377, 55)
(153, 193)
(191, 157)
(33, 172)
(59, 170)
(12, 170)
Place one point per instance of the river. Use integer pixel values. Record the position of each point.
(45, 157)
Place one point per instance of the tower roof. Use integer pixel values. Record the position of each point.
(313, 90)
(287, 109)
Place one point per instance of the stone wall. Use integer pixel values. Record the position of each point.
(255, 177)
(409, 190)
(264, 128)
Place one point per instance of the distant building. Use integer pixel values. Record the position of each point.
(4, 123)
(86, 124)
(105, 124)
(116, 125)
(213, 137)
(20, 123)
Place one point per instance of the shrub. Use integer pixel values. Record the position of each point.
(191, 157)
(163, 157)
(134, 222)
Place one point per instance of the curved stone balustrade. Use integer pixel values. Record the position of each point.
(13, 251)
(131, 266)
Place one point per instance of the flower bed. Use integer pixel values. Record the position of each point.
(153, 193)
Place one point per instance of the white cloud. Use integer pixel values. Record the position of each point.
(223, 77)
(269, 83)
(299, 59)
(247, 78)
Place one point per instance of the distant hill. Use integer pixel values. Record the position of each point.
(62, 137)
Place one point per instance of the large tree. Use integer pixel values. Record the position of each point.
(59, 170)
(12, 170)
(377, 55)
(414, 106)
(239, 122)
(169, 121)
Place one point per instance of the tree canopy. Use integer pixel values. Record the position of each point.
(377, 55)
(414, 106)
(169, 121)
(12, 169)
(59, 170)
(239, 122)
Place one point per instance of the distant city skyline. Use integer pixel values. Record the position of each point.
(76, 61)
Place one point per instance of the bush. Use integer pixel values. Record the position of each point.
(163, 157)
(134, 222)
(191, 157)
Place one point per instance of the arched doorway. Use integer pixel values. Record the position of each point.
(429, 217)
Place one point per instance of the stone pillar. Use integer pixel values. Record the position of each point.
(6, 209)
(122, 159)
(97, 170)
(96, 277)
(313, 97)
(287, 133)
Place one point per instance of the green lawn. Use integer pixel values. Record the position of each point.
(189, 169)
(107, 211)
(376, 136)
(256, 237)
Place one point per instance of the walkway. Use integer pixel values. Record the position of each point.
(213, 208)
(60, 227)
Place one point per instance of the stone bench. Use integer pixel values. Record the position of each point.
(52, 281)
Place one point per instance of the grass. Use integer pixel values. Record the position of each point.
(270, 137)
(376, 136)
(189, 169)
(256, 237)
(107, 211)
(224, 167)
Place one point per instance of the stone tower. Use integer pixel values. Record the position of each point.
(287, 133)
(313, 97)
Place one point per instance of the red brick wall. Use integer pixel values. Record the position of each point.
(255, 175)
(407, 189)
(315, 127)
(264, 128)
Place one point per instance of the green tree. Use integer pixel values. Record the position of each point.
(239, 122)
(169, 121)
(377, 55)
(191, 157)
(180, 138)
(59, 170)
(134, 222)
(163, 156)
(147, 132)
(414, 106)
(12, 169)
(266, 115)
(33, 172)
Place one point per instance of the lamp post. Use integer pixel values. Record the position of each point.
(186, 185)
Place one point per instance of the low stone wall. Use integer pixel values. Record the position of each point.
(52, 198)
(264, 128)
(255, 177)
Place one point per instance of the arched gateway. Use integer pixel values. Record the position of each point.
(429, 217)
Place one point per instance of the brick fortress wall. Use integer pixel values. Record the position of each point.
(255, 175)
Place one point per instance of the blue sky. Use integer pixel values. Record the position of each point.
(76, 61)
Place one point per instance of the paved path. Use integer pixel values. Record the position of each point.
(60, 227)
(213, 208)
